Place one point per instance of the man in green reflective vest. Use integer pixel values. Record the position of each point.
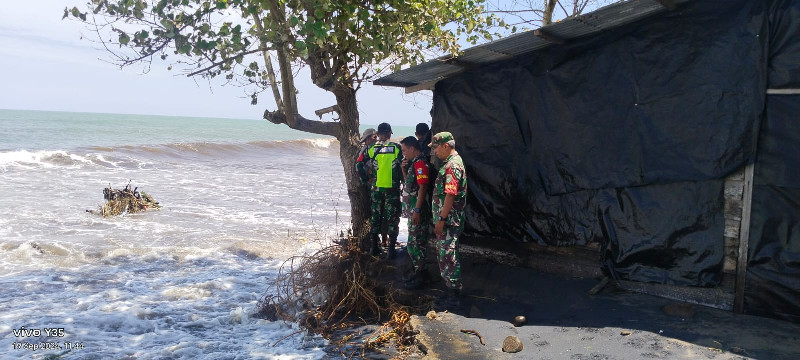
(386, 159)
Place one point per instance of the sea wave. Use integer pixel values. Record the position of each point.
(63, 159)
(215, 149)
(135, 156)
(55, 158)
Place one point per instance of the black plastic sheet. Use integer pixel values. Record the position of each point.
(784, 47)
(772, 285)
(621, 138)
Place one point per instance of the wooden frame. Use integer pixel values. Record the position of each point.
(744, 238)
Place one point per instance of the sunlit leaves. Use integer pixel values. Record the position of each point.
(357, 37)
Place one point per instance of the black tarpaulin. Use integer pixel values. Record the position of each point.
(784, 47)
(772, 285)
(621, 138)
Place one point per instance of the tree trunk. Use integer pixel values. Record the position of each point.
(346, 131)
(547, 15)
(349, 145)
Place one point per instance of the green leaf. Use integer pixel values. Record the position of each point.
(300, 45)
(167, 24)
(124, 38)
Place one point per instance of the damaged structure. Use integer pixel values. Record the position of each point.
(658, 138)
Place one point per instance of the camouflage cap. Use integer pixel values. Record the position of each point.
(441, 138)
(367, 133)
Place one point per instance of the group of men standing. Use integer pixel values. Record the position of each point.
(401, 177)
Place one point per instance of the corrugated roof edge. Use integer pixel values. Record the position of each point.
(607, 17)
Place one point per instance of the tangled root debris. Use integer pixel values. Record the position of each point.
(334, 289)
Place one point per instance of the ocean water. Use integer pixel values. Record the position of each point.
(238, 197)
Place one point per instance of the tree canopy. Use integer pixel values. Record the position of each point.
(342, 41)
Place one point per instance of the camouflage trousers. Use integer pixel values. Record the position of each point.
(449, 259)
(385, 206)
(418, 236)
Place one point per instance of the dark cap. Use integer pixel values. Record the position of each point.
(384, 128)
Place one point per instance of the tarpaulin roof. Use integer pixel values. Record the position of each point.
(606, 18)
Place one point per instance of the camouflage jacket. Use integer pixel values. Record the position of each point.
(364, 167)
(418, 172)
(452, 179)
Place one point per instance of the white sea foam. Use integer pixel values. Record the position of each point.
(30, 159)
(48, 159)
(181, 282)
(153, 308)
(320, 143)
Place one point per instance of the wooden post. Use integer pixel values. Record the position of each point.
(430, 85)
(783, 91)
(744, 238)
(326, 110)
(548, 36)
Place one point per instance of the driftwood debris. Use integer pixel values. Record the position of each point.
(125, 201)
(473, 332)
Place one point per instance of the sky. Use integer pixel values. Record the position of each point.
(46, 65)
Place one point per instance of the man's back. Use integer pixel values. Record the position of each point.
(385, 156)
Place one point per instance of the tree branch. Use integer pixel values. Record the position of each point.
(513, 11)
(303, 124)
(273, 83)
(284, 64)
(218, 63)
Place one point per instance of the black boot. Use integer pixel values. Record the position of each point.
(451, 301)
(390, 253)
(417, 280)
(453, 297)
(374, 249)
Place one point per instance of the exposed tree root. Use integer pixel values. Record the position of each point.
(338, 287)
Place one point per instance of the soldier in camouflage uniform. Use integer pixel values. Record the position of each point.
(363, 163)
(366, 172)
(416, 206)
(449, 202)
(385, 157)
